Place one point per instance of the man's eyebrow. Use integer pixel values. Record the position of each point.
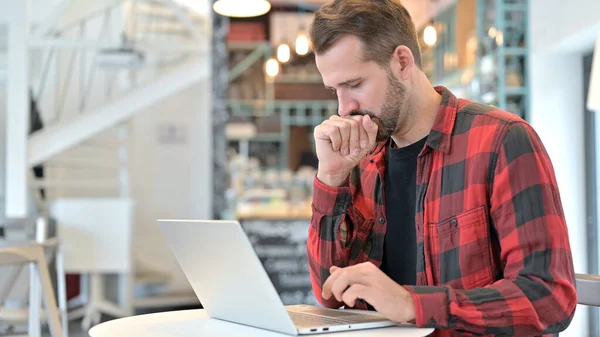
(352, 80)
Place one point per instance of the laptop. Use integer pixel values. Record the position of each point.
(232, 285)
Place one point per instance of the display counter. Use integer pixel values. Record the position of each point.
(278, 234)
(275, 211)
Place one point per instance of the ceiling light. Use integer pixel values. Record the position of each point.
(302, 44)
(430, 35)
(272, 67)
(241, 8)
(283, 53)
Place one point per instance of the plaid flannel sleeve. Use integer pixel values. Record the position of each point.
(537, 294)
(332, 229)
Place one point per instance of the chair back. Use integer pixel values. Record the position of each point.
(588, 289)
(11, 257)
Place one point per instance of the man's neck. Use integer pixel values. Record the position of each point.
(425, 104)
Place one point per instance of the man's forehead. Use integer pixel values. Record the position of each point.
(341, 63)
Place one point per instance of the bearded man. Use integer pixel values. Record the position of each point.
(429, 208)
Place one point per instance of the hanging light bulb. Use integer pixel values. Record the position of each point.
(283, 53)
(242, 8)
(272, 67)
(302, 44)
(430, 35)
(499, 38)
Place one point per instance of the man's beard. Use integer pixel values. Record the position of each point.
(387, 121)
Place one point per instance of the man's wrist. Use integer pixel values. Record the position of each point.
(410, 306)
(332, 180)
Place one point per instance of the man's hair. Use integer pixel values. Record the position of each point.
(381, 25)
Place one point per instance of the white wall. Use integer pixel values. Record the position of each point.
(171, 180)
(555, 23)
(557, 115)
(560, 35)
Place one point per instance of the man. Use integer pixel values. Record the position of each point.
(428, 208)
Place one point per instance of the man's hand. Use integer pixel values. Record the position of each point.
(341, 142)
(367, 282)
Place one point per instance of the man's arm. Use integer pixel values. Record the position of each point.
(537, 294)
(331, 232)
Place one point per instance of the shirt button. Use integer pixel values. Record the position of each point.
(382, 220)
(454, 222)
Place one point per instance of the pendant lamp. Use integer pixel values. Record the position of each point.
(241, 8)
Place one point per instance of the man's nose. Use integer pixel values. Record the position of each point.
(346, 106)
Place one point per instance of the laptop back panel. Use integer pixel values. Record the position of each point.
(228, 278)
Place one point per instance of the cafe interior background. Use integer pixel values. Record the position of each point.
(116, 113)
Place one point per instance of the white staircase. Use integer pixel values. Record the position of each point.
(65, 134)
(88, 83)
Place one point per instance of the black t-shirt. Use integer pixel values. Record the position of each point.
(400, 245)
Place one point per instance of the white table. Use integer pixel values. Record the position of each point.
(196, 323)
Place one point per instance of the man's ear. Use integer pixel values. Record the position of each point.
(402, 62)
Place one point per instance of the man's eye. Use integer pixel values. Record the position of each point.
(333, 92)
(354, 86)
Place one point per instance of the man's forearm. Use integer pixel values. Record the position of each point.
(505, 308)
(328, 236)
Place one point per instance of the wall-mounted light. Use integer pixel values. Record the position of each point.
(430, 35)
(272, 67)
(302, 44)
(283, 53)
(242, 8)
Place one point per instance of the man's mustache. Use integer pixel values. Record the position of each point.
(363, 113)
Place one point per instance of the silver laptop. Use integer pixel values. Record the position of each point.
(227, 276)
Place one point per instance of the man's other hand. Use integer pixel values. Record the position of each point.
(367, 282)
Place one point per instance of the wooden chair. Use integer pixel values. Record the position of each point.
(34, 254)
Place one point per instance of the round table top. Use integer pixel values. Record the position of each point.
(197, 323)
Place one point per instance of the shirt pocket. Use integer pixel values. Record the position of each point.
(460, 250)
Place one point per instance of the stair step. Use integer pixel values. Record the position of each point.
(79, 183)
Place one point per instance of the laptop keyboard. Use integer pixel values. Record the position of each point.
(304, 320)
(308, 320)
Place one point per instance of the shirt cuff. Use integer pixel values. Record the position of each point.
(329, 200)
(431, 306)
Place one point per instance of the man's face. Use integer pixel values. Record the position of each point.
(363, 88)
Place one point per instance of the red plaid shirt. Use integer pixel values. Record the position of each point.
(492, 243)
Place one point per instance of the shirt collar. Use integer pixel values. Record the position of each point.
(441, 132)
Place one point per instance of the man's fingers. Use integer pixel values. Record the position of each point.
(354, 137)
(363, 136)
(344, 130)
(347, 277)
(334, 274)
(330, 132)
(340, 285)
(356, 292)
